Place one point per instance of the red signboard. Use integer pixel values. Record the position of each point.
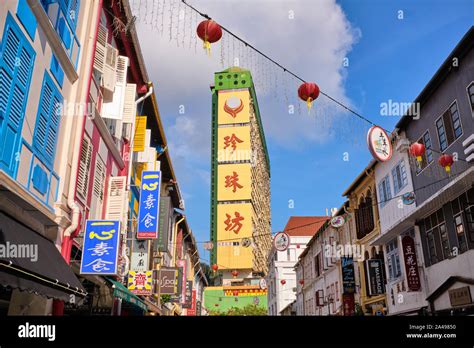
(348, 304)
(192, 310)
(411, 264)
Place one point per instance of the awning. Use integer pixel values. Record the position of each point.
(31, 262)
(120, 291)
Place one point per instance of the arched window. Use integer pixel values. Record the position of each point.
(364, 215)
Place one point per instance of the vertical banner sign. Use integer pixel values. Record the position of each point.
(101, 247)
(348, 304)
(149, 205)
(163, 224)
(182, 265)
(168, 282)
(140, 283)
(140, 257)
(192, 311)
(411, 263)
(189, 294)
(348, 278)
(177, 298)
(375, 275)
(198, 308)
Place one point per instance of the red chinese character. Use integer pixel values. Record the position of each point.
(140, 279)
(232, 181)
(234, 224)
(231, 141)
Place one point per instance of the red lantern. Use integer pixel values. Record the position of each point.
(417, 150)
(301, 281)
(283, 282)
(236, 292)
(215, 267)
(234, 273)
(308, 92)
(446, 161)
(209, 32)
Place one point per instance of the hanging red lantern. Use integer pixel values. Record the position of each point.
(283, 282)
(301, 281)
(235, 273)
(446, 161)
(308, 92)
(215, 267)
(417, 150)
(236, 292)
(209, 32)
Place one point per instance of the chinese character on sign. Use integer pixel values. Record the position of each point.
(231, 141)
(148, 220)
(104, 235)
(100, 249)
(234, 224)
(232, 181)
(149, 202)
(100, 265)
(140, 279)
(382, 144)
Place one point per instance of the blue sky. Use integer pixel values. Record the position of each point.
(388, 59)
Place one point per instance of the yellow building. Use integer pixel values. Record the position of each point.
(240, 181)
(370, 272)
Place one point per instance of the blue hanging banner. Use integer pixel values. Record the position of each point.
(148, 210)
(101, 247)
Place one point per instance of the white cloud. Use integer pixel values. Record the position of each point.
(313, 44)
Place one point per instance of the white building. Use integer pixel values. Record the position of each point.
(281, 277)
(393, 180)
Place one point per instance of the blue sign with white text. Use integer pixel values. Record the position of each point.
(101, 246)
(148, 210)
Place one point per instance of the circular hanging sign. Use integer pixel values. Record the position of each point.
(263, 284)
(379, 144)
(208, 246)
(281, 242)
(408, 198)
(337, 221)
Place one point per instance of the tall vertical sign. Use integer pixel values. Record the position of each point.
(148, 210)
(163, 224)
(375, 276)
(101, 247)
(411, 264)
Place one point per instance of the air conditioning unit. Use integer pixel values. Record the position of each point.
(109, 77)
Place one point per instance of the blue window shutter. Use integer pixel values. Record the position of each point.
(57, 71)
(16, 66)
(381, 194)
(64, 33)
(387, 185)
(47, 121)
(404, 174)
(395, 180)
(40, 180)
(27, 18)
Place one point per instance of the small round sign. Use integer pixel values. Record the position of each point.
(262, 283)
(408, 198)
(337, 221)
(379, 144)
(246, 242)
(281, 242)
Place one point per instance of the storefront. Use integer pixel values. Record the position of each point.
(32, 271)
(453, 297)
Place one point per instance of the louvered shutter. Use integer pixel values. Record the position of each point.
(139, 134)
(100, 49)
(129, 105)
(121, 71)
(84, 168)
(16, 65)
(47, 123)
(116, 195)
(448, 127)
(98, 189)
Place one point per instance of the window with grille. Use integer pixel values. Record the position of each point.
(449, 127)
(437, 241)
(470, 92)
(393, 259)
(399, 177)
(427, 157)
(384, 191)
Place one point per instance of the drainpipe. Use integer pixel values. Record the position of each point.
(73, 229)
